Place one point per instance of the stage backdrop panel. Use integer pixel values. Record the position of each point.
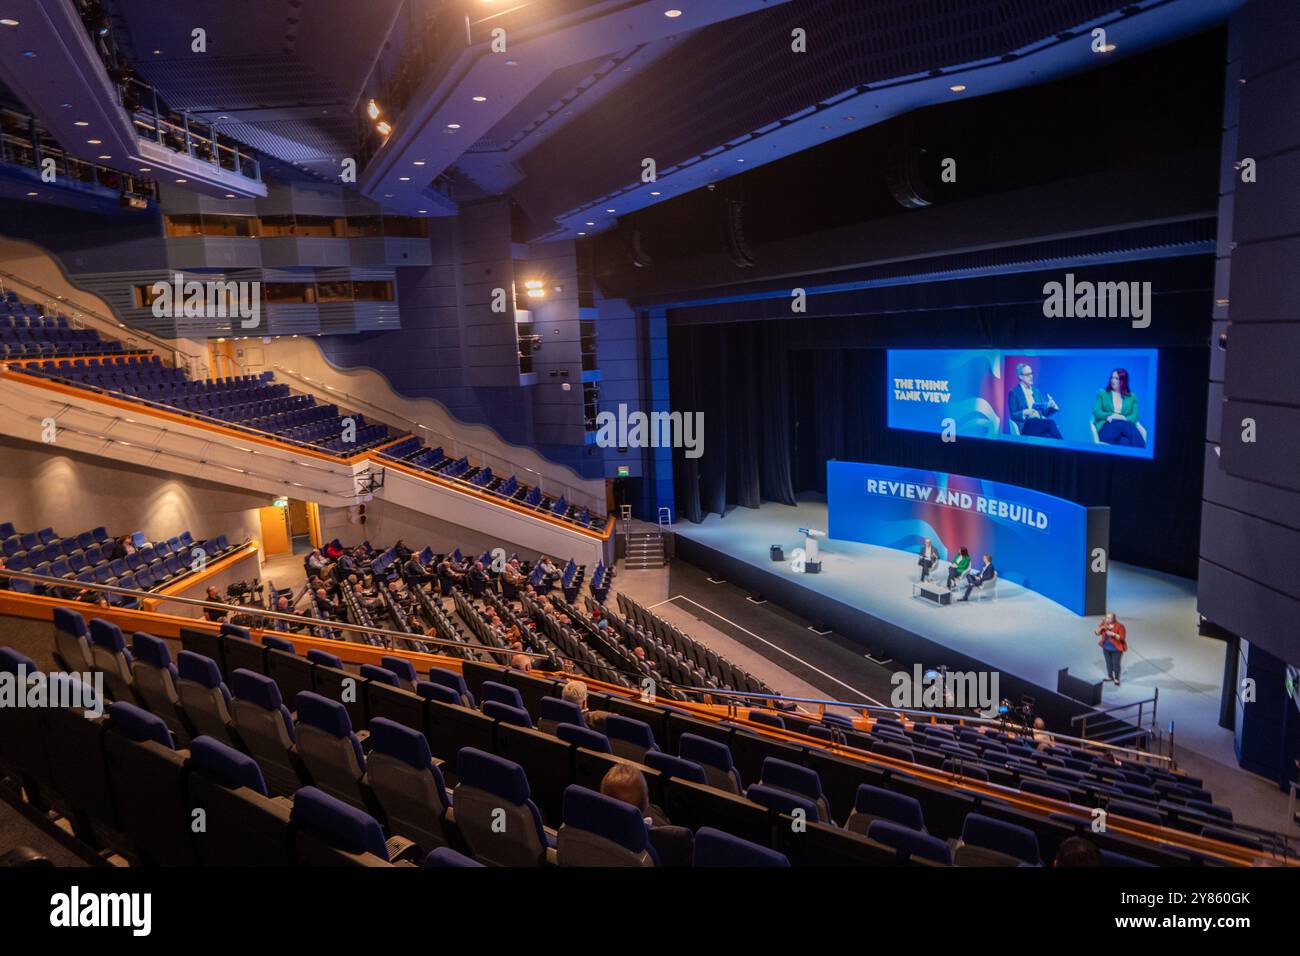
(973, 388)
(1039, 541)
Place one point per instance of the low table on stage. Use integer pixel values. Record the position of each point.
(930, 591)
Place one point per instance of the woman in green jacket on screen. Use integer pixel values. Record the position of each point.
(960, 565)
(1115, 413)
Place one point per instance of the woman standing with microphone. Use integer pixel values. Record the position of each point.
(1113, 644)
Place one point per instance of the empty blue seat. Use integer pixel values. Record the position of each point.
(317, 816)
(714, 848)
(403, 668)
(909, 842)
(629, 738)
(407, 783)
(71, 641)
(494, 811)
(324, 658)
(714, 757)
(783, 801)
(875, 803)
(553, 711)
(329, 749)
(204, 697)
(801, 781)
(670, 766)
(380, 675)
(225, 765)
(986, 841)
(136, 723)
(447, 857)
(439, 692)
(266, 728)
(155, 679)
(601, 831)
(108, 654)
(456, 682)
(502, 693)
(583, 737)
(507, 714)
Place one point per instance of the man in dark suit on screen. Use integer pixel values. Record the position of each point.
(977, 579)
(1029, 408)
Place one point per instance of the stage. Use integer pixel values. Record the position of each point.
(865, 593)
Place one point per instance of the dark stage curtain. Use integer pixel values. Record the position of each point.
(742, 385)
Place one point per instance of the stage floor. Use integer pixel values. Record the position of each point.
(1021, 632)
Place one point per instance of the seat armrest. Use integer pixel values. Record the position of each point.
(402, 850)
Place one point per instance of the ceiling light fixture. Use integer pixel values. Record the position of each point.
(958, 87)
(94, 142)
(672, 14)
(453, 126)
(384, 128)
(480, 99)
(80, 123)
(182, 181)
(372, 110)
(7, 22)
(418, 162)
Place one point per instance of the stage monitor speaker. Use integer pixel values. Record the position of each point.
(812, 567)
(777, 552)
(1078, 688)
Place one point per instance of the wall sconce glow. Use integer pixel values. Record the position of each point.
(480, 99)
(1106, 48)
(372, 110)
(418, 162)
(672, 14)
(384, 129)
(453, 126)
(7, 22)
(404, 179)
(80, 123)
(958, 87)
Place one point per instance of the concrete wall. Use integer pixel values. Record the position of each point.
(42, 486)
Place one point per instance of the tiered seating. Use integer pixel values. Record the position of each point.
(683, 659)
(26, 332)
(435, 772)
(249, 401)
(94, 557)
(413, 453)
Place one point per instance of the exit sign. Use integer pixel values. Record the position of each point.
(624, 471)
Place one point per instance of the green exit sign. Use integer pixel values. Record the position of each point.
(280, 503)
(624, 471)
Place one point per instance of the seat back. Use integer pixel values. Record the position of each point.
(714, 757)
(108, 655)
(329, 749)
(601, 831)
(328, 832)
(494, 811)
(266, 729)
(407, 784)
(245, 827)
(204, 699)
(147, 777)
(876, 803)
(71, 641)
(629, 737)
(714, 848)
(155, 682)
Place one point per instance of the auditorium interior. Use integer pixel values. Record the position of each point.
(658, 433)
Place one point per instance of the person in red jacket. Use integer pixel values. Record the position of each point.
(1113, 644)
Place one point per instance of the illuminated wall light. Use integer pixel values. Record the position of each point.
(384, 128)
(1106, 48)
(958, 87)
(672, 14)
(533, 284)
(372, 110)
(418, 162)
(655, 192)
(80, 123)
(480, 99)
(536, 293)
(404, 179)
(94, 142)
(453, 126)
(8, 22)
(182, 182)
(611, 210)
